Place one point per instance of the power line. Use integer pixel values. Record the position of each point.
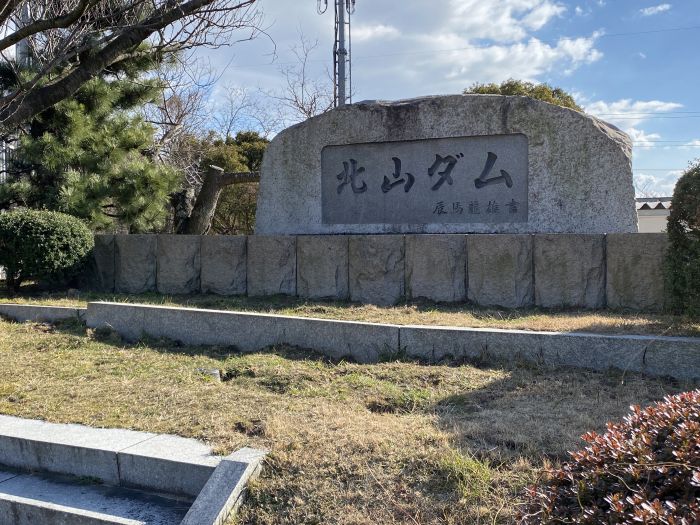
(465, 48)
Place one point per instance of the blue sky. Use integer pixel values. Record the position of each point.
(634, 63)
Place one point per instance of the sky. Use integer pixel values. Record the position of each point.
(633, 63)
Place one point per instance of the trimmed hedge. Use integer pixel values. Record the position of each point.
(42, 245)
(683, 259)
(643, 470)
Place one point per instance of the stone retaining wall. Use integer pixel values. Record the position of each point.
(677, 357)
(553, 270)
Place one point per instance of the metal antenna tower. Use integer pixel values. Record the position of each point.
(342, 55)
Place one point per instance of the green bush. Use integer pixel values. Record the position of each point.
(643, 470)
(42, 245)
(683, 259)
(522, 88)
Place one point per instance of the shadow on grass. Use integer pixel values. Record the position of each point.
(540, 411)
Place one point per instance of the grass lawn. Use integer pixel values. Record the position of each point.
(350, 444)
(421, 313)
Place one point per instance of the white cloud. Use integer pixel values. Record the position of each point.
(655, 10)
(627, 113)
(641, 55)
(642, 139)
(656, 185)
(502, 21)
(362, 33)
(495, 63)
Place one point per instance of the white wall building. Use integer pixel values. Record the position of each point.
(653, 213)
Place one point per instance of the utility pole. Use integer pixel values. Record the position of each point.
(342, 52)
(342, 49)
(22, 51)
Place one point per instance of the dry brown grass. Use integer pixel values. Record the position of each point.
(350, 444)
(420, 313)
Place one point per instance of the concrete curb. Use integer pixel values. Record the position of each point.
(224, 491)
(248, 332)
(39, 313)
(155, 462)
(677, 357)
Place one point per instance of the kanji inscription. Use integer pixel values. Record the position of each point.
(453, 180)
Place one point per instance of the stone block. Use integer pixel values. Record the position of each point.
(179, 264)
(272, 265)
(377, 269)
(635, 270)
(167, 463)
(135, 259)
(224, 264)
(499, 270)
(436, 267)
(569, 270)
(322, 262)
(99, 274)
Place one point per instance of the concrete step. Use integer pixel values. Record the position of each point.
(33, 498)
(63, 474)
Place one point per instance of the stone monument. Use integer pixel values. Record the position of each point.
(448, 164)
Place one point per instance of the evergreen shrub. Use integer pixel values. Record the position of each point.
(42, 245)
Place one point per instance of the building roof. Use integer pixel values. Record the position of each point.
(653, 203)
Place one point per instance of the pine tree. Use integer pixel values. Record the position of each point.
(92, 154)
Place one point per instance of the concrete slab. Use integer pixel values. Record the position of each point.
(224, 491)
(80, 497)
(436, 267)
(135, 260)
(178, 264)
(224, 264)
(500, 271)
(67, 449)
(322, 266)
(569, 270)
(38, 313)
(635, 270)
(377, 268)
(272, 265)
(166, 463)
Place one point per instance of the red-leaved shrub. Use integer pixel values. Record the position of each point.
(645, 470)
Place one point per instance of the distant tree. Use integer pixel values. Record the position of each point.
(543, 92)
(74, 41)
(229, 172)
(683, 258)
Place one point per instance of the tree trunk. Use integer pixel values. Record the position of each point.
(215, 180)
